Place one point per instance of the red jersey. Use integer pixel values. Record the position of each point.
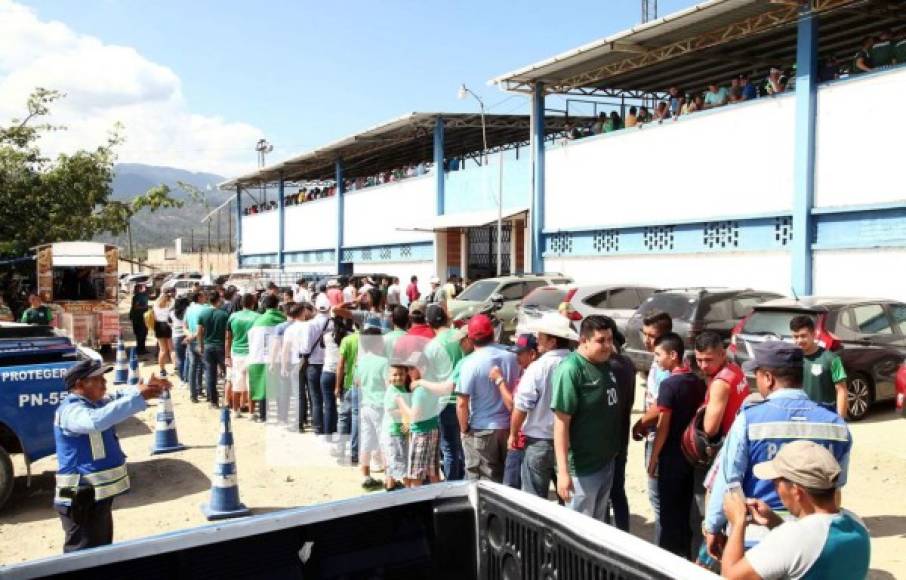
(412, 293)
(335, 295)
(739, 390)
(422, 330)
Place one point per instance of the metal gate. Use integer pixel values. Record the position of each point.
(483, 251)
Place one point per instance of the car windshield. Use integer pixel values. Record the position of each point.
(776, 322)
(479, 291)
(678, 306)
(546, 297)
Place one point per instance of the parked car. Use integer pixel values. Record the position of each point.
(693, 310)
(616, 301)
(901, 390)
(128, 283)
(868, 334)
(183, 287)
(247, 283)
(171, 280)
(512, 289)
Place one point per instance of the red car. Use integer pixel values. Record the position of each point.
(901, 390)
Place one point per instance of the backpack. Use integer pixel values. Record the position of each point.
(699, 449)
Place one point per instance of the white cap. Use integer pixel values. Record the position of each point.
(435, 280)
(322, 303)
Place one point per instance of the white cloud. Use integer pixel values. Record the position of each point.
(106, 84)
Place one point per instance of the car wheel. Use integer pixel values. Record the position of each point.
(6, 477)
(859, 396)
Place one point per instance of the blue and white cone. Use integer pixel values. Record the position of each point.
(224, 501)
(121, 365)
(133, 368)
(165, 439)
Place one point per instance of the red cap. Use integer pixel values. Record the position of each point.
(480, 327)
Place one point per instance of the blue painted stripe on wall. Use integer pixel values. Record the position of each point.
(418, 252)
(324, 256)
(861, 229)
(761, 234)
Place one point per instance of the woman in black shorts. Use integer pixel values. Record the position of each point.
(162, 331)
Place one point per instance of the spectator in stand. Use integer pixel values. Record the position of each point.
(679, 396)
(483, 418)
(775, 83)
(412, 293)
(882, 53)
(632, 118)
(532, 414)
(822, 542)
(654, 326)
(735, 92)
(677, 100)
(598, 126)
(586, 423)
(899, 49)
(624, 371)
(716, 96)
(614, 123)
(862, 61)
(747, 90)
(823, 375)
(644, 116)
(690, 105)
(662, 112)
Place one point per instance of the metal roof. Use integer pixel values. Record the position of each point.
(406, 140)
(709, 42)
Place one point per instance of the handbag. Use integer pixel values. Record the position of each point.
(149, 319)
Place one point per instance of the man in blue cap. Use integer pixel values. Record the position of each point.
(92, 466)
(762, 427)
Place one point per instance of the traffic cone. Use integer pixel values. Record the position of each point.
(133, 368)
(224, 501)
(165, 439)
(121, 366)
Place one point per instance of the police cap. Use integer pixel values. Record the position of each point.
(84, 369)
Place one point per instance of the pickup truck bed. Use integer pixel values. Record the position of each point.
(456, 530)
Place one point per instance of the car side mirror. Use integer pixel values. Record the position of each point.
(496, 298)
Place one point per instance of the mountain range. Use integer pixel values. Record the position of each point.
(161, 228)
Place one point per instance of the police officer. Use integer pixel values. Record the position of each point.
(784, 414)
(92, 466)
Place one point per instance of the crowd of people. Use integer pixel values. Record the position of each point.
(877, 52)
(380, 375)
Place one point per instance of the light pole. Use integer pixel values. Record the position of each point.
(464, 91)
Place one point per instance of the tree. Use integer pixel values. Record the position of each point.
(46, 200)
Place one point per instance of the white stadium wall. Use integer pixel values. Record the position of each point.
(260, 233)
(870, 272)
(859, 150)
(310, 226)
(757, 270)
(380, 215)
(728, 162)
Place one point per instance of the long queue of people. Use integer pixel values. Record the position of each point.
(397, 389)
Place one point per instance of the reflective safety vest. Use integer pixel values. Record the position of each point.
(94, 459)
(772, 423)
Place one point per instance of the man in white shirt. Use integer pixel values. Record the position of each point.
(301, 292)
(393, 293)
(300, 313)
(532, 412)
(311, 356)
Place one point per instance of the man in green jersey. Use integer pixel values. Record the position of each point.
(823, 375)
(237, 351)
(586, 419)
(443, 353)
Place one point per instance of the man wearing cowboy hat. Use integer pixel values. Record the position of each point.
(532, 403)
(822, 542)
(92, 466)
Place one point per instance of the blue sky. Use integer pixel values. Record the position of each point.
(304, 73)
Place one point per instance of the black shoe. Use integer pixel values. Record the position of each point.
(194, 399)
(215, 406)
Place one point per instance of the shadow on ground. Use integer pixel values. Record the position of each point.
(132, 427)
(886, 526)
(154, 480)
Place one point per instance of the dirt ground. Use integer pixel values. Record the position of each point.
(167, 490)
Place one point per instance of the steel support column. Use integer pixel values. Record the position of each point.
(281, 220)
(340, 193)
(238, 226)
(804, 172)
(439, 174)
(536, 213)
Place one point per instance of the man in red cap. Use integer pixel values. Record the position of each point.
(483, 417)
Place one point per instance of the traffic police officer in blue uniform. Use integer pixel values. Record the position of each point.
(92, 466)
(784, 414)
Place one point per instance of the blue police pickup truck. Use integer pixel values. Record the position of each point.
(33, 363)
